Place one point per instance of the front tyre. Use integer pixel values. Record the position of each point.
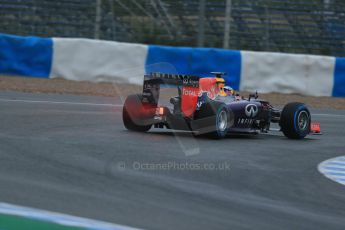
(295, 120)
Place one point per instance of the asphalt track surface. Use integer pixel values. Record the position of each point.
(71, 154)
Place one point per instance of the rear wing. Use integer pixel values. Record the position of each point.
(188, 88)
(172, 79)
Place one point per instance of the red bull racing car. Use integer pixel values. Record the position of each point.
(205, 106)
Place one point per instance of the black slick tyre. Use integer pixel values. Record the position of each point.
(213, 120)
(295, 120)
(132, 119)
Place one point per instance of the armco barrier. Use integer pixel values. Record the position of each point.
(95, 60)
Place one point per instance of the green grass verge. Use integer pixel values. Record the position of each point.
(9, 222)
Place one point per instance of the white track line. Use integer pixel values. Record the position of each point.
(327, 115)
(60, 102)
(58, 218)
(114, 105)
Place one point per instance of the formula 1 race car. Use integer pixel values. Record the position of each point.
(203, 106)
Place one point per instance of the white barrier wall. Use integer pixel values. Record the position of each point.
(287, 73)
(108, 61)
(96, 61)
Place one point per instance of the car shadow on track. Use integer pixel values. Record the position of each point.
(187, 134)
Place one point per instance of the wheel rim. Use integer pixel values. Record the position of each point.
(222, 121)
(303, 120)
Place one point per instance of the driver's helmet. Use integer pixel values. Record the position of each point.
(229, 91)
(220, 83)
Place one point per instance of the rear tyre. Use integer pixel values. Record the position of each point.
(132, 119)
(215, 118)
(295, 120)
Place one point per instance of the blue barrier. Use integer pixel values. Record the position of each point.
(34, 57)
(25, 56)
(195, 61)
(339, 78)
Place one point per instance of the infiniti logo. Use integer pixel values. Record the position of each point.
(251, 110)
